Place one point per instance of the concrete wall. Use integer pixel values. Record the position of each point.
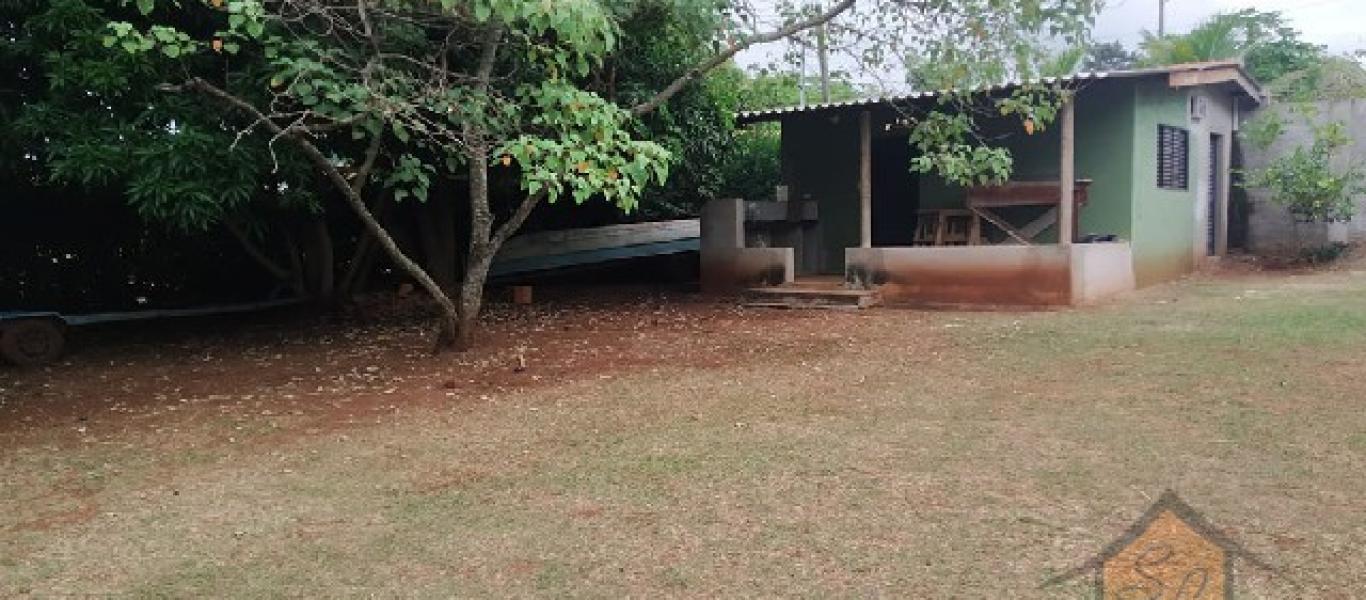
(1163, 219)
(1001, 275)
(1271, 229)
(727, 265)
(1047, 275)
(1101, 272)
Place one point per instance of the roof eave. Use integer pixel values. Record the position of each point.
(1185, 75)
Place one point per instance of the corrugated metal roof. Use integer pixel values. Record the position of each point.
(773, 113)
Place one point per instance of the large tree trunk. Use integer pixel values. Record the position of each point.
(471, 298)
(481, 250)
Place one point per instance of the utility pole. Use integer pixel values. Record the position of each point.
(801, 79)
(1161, 18)
(823, 56)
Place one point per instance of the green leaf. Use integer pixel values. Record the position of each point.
(145, 6)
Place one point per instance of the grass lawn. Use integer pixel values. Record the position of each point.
(693, 449)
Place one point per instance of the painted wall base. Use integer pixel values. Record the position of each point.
(1044, 275)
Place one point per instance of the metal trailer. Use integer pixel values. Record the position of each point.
(30, 338)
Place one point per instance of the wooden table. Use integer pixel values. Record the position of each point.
(983, 200)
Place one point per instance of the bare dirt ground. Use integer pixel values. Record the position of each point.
(667, 445)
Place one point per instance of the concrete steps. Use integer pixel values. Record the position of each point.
(804, 296)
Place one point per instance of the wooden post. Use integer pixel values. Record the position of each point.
(865, 179)
(1068, 175)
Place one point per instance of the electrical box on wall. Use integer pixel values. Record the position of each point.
(1199, 108)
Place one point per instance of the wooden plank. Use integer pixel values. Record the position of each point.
(1003, 225)
(1037, 226)
(1024, 193)
(1212, 75)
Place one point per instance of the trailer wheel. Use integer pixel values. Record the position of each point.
(30, 342)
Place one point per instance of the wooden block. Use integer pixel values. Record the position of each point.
(521, 294)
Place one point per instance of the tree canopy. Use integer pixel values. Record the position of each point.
(245, 113)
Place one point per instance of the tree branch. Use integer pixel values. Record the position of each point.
(515, 220)
(367, 165)
(256, 253)
(702, 68)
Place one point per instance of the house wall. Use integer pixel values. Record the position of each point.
(1169, 231)
(1104, 154)
(1163, 220)
(1220, 119)
(820, 156)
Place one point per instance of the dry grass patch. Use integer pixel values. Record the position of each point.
(893, 453)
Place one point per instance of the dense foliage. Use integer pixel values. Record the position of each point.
(284, 120)
(1313, 181)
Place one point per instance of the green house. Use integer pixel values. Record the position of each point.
(1149, 156)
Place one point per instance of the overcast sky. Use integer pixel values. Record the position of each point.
(1334, 23)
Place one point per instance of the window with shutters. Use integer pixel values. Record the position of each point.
(1173, 158)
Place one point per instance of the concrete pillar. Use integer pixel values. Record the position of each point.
(723, 224)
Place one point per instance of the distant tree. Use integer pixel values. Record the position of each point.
(1318, 180)
(752, 167)
(1060, 63)
(1109, 56)
(1268, 46)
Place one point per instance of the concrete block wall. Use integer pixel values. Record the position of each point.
(1271, 229)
